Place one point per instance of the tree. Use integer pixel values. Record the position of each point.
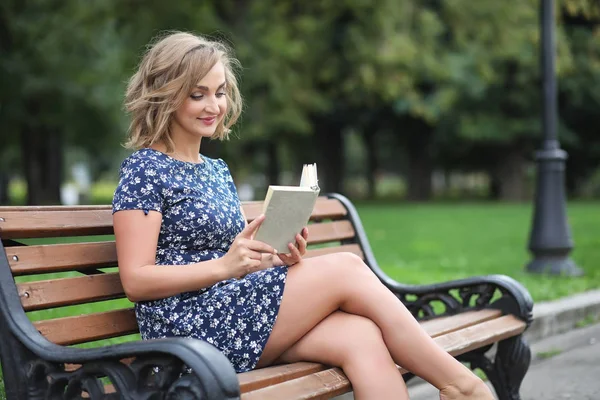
(56, 75)
(579, 91)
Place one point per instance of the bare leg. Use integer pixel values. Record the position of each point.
(318, 286)
(355, 344)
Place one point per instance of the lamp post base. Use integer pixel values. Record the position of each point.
(554, 265)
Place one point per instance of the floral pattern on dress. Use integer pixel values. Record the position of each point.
(201, 216)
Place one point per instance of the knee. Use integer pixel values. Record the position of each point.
(348, 262)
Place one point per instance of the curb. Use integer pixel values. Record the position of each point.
(558, 316)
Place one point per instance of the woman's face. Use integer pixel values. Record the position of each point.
(205, 107)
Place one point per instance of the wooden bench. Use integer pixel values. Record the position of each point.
(64, 353)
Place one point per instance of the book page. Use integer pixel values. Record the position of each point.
(286, 213)
(304, 177)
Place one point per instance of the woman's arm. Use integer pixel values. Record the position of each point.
(136, 236)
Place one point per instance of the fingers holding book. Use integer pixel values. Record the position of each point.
(296, 251)
(301, 240)
(245, 254)
(250, 230)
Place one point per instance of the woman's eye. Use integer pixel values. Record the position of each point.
(197, 96)
(221, 94)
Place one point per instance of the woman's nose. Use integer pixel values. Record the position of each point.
(212, 105)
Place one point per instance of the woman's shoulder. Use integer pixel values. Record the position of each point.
(141, 183)
(215, 162)
(144, 159)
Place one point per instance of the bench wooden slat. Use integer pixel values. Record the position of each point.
(329, 232)
(63, 223)
(480, 335)
(41, 295)
(41, 259)
(263, 377)
(259, 378)
(333, 382)
(324, 208)
(25, 260)
(55, 221)
(442, 325)
(53, 208)
(34, 224)
(320, 385)
(90, 327)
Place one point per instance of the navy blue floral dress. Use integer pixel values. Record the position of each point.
(200, 219)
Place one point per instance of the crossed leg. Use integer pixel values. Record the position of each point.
(317, 287)
(356, 345)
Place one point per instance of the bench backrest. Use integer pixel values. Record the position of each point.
(64, 262)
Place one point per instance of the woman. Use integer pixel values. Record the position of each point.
(189, 261)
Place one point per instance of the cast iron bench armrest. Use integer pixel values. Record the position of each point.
(157, 367)
(495, 291)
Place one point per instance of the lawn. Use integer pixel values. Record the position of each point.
(429, 243)
(438, 242)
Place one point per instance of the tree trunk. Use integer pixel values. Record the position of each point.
(420, 163)
(510, 172)
(369, 139)
(494, 191)
(330, 144)
(273, 166)
(42, 153)
(4, 181)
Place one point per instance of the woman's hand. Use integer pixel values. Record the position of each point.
(245, 254)
(296, 251)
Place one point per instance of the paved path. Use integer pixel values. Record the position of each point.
(572, 373)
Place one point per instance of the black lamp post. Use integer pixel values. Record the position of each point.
(550, 241)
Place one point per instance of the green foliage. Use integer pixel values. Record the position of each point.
(58, 58)
(469, 70)
(2, 394)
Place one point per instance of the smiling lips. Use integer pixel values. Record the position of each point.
(208, 120)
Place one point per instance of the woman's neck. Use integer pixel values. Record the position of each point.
(188, 152)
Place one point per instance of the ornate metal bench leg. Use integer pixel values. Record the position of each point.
(508, 369)
(512, 362)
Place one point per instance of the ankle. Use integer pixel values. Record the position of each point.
(465, 386)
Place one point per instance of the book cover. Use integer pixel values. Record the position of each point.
(287, 210)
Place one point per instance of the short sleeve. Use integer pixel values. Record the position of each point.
(139, 187)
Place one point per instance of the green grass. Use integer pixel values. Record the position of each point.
(431, 243)
(587, 321)
(548, 354)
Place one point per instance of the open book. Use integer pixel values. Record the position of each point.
(287, 210)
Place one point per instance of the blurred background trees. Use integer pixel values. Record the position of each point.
(413, 99)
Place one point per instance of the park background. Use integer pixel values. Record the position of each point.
(425, 113)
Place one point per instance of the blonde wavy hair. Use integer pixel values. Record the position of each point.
(169, 70)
